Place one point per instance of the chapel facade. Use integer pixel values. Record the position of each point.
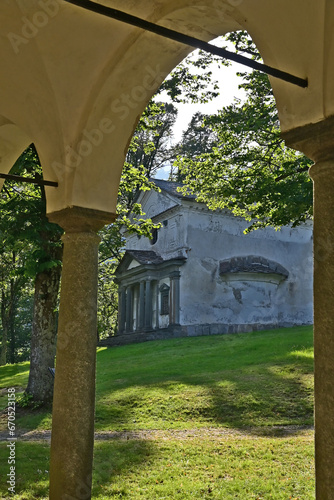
(200, 274)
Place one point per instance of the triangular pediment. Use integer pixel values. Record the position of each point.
(134, 263)
(136, 258)
(155, 203)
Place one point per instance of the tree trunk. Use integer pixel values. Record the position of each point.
(11, 322)
(43, 338)
(3, 353)
(4, 322)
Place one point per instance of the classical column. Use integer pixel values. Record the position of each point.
(317, 142)
(148, 305)
(174, 314)
(157, 306)
(141, 323)
(129, 309)
(122, 310)
(74, 392)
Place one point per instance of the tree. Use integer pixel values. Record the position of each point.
(25, 227)
(111, 251)
(197, 140)
(150, 144)
(13, 281)
(249, 170)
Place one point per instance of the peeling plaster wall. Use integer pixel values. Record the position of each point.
(237, 301)
(208, 298)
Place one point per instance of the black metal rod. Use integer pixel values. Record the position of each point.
(18, 178)
(187, 40)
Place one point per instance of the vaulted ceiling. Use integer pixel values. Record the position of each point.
(75, 82)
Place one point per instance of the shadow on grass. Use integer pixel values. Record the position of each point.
(114, 458)
(263, 400)
(32, 466)
(260, 379)
(240, 381)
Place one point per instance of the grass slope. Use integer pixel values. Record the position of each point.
(257, 379)
(246, 383)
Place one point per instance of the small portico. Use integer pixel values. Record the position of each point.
(149, 296)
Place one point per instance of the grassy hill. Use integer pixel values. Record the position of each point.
(236, 403)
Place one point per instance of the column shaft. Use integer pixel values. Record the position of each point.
(129, 309)
(174, 315)
(316, 141)
(74, 392)
(141, 323)
(122, 311)
(148, 306)
(72, 439)
(323, 177)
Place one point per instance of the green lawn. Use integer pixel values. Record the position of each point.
(247, 384)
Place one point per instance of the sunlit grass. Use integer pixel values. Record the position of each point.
(256, 379)
(253, 379)
(14, 375)
(245, 386)
(242, 467)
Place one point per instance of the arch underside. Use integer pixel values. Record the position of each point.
(77, 82)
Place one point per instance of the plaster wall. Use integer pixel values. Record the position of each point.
(172, 236)
(206, 238)
(208, 298)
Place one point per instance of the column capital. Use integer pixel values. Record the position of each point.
(315, 140)
(79, 219)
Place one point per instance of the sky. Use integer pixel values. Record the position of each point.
(228, 83)
(228, 88)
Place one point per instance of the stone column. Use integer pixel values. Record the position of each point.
(122, 310)
(141, 323)
(174, 315)
(74, 392)
(148, 305)
(317, 142)
(129, 311)
(157, 306)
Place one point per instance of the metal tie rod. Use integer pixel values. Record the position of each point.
(19, 178)
(187, 40)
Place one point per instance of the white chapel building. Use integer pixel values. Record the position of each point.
(201, 275)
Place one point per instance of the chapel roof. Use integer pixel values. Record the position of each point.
(145, 256)
(171, 187)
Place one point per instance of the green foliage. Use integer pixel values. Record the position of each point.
(191, 81)
(248, 169)
(26, 400)
(23, 221)
(149, 148)
(29, 245)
